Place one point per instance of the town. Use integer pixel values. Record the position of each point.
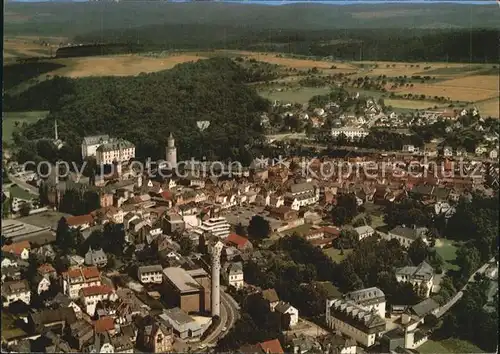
(213, 177)
(170, 263)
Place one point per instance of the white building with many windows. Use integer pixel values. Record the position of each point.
(235, 275)
(78, 278)
(18, 290)
(115, 151)
(150, 274)
(369, 299)
(218, 227)
(352, 320)
(91, 143)
(350, 132)
(421, 277)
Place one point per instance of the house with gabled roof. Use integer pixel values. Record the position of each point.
(421, 277)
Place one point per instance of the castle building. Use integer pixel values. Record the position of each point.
(91, 143)
(115, 151)
(171, 152)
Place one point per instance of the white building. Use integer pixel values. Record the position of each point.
(369, 299)
(365, 327)
(150, 274)
(285, 308)
(364, 232)
(91, 295)
(408, 148)
(218, 227)
(115, 151)
(421, 276)
(91, 143)
(171, 152)
(13, 291)
(78, 278)
(235, 275)
(302, 194)
(349, 132)
(406, 235)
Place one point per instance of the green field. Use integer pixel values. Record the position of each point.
(299, 95)
(448, 251)
(335, 255)
(18, 192)
(454, 70)
(9, 120)
(450, 345)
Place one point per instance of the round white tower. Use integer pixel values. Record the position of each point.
(216, 253)
(171, 152)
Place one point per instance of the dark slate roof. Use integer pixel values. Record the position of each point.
(425, 307)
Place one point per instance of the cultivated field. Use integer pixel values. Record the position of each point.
(410, 104)
(489, 107)
(119, 65)
(30, 46)
(300, 95)
(297, 63)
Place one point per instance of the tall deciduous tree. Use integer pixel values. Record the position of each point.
(259, 228)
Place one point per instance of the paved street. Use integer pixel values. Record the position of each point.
(459, 295)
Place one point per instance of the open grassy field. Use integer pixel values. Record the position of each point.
(448, 251)
(450, 345)
(335, 254)
(9, 120)
(300, 95)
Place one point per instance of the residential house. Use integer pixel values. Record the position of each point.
(96, 258)
(240, 242)
(122, 344)
(406, 235)
(78, 278)
(100, 344)
(42, 283)
(150, 274)
(156, 337)
(369, 299)
(91, 295)
(51, 319)
(272, 346)
(421, 277)
(63, 301)
(352, 320)
(364, 232)
(17, 290)
(272, 297)
(338, 344)
(493, 154)
(10, 260)
(301, 195)
(47, 270)
(235, 275)
(173, 223)
(285, 308)
(21, 249)
(80, 333)
(81, 222)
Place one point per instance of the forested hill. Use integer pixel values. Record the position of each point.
(146, 108)
(456, 45)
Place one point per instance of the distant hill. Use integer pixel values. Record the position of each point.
(70, 19)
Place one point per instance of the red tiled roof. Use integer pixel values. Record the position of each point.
(79, 220)
(331, 230)
(104, 324)
(90, 272)
(17, 248)
(237, 240)
(272, 347)
(167, 195)
(46, 268)
(96, 290)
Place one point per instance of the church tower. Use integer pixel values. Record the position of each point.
(171, 152)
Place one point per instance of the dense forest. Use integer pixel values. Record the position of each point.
(147, 108)
(346, 44)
